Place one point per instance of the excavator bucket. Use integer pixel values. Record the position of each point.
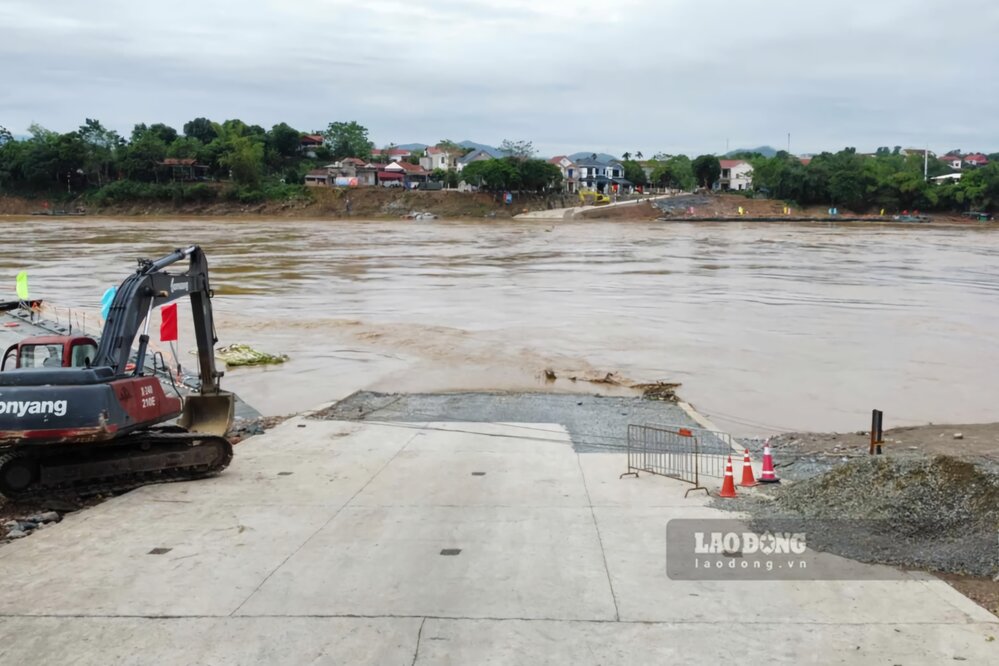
(209, 414)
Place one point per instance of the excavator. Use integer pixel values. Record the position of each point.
(96, 419)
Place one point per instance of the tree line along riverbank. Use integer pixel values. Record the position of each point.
(317, 202)
(233, 165)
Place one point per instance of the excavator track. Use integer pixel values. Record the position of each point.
(147, 457)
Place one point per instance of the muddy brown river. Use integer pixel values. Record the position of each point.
(768, 326)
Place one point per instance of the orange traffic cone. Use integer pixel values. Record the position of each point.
(728, 486)
(768, 475)
(748, 481)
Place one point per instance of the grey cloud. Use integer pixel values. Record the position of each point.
(589, 75)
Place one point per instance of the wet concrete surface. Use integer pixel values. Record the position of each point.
(594, 423)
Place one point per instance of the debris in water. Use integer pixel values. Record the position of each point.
(239, 355)
(665, 391)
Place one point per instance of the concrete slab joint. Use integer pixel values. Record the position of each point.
(387, 545)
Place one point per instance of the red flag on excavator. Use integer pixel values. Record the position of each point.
(168, 323)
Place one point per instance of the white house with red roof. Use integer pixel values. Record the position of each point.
(438, 158)
(569, 171)
(308, 143)
(976, 160)
(953, 161)
(410, 173)
(735, 175)
(390, 155)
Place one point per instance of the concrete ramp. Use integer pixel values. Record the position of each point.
(335, 542)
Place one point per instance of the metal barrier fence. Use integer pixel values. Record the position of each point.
(679, 452)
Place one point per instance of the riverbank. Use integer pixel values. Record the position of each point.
(379, 203)
(311, 203)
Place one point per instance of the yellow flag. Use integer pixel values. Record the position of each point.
(22, 285)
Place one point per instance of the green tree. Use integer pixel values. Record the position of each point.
(186, 147)
(675, 172)
(348, 139)
(492, 174)
(634, 172)
(520, 150)
(166, 133)
(11, 153)
(102, 148)
(284, 139)
(707, 170)
(201, 129)
(537, 175)
(245, 160)
(141, 158)
(450, 147)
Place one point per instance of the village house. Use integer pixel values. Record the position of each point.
(604, 177)
(184, 169)
(476, 155)
(309, 142)
(348, 172)
(353, 172)
(438, 158)
(318, 178)
(735, 175)
(922, 152)
(953, 161)
(409, 175)
(976, 160)
(568, 169)
(390, 155)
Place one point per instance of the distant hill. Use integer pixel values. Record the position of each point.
(413, 146)
(766, 151)
(472, 145)
(603, 157)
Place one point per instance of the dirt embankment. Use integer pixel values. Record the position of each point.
(717, 206)
(366, 203)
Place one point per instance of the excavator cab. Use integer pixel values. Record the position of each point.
(211, 414)
(50, 351)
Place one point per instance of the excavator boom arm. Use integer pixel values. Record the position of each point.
(151, 287)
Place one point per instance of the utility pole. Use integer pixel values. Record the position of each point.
(788, 143)
(926, 165)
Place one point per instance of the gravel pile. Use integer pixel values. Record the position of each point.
(18, 529)
(680, 205)
(936, 513)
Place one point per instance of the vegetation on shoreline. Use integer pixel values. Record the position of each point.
(94, 165)
(247, 164)
(886, 180)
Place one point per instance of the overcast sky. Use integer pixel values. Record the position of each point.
(596, 75)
